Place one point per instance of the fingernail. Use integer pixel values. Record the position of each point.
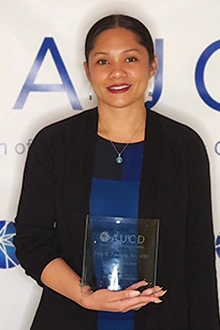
(158, 301)
(160, 288)
(134, 293)
(163, 293)
(143, 287)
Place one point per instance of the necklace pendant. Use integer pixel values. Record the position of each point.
(119, 160)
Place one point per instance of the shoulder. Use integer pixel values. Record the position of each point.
(180, 140)
(66, 129)
(174, 131)
(70, 124)
(54, 139)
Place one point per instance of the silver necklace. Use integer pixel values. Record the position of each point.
(119, 159)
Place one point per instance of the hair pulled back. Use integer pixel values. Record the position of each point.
(123, 21)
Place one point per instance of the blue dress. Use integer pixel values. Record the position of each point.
(115, 192)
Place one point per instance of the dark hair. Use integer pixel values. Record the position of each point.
(122, 21)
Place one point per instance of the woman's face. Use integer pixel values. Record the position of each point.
(119, 69)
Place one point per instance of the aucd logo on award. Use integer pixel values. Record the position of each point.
(122, 238)
(104, 236)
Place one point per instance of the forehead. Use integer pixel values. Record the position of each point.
(116, 37)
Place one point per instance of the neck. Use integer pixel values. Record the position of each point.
(121, 125)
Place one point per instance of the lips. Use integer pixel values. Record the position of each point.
(117, 89)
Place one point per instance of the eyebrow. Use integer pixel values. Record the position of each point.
(124, 52)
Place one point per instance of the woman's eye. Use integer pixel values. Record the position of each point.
(131, 59)
(102, 62)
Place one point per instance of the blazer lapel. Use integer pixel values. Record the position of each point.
(88, 154)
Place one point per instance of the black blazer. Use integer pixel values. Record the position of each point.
(175, 188)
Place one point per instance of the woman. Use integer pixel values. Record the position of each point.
(119, 159)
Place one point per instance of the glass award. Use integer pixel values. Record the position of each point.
(119, 252)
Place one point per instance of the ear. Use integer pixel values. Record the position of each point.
(86, 68)
(153, 66)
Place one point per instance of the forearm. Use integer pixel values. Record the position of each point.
(61, 278)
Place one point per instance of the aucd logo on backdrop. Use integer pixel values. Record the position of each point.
(200, 73)
(7, 249)
(201, 85)
(217, 148)
(67, 87)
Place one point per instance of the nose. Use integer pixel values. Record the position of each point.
(117, 71)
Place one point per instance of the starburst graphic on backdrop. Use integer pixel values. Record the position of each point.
(217, 246)
(7, 248)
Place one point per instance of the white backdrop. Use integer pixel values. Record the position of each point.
(189, 79)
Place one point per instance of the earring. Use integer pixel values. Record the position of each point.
(150, 96)
(90, 93)
(150, 91)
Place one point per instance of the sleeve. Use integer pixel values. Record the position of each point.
(200, 253)
(35, 241)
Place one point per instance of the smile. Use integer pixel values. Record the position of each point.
(119, 88)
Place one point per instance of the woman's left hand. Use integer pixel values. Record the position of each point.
(155, 291)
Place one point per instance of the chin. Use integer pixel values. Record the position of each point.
(119, 104)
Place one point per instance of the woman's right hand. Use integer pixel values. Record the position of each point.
(120, 301)
(60, 277)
